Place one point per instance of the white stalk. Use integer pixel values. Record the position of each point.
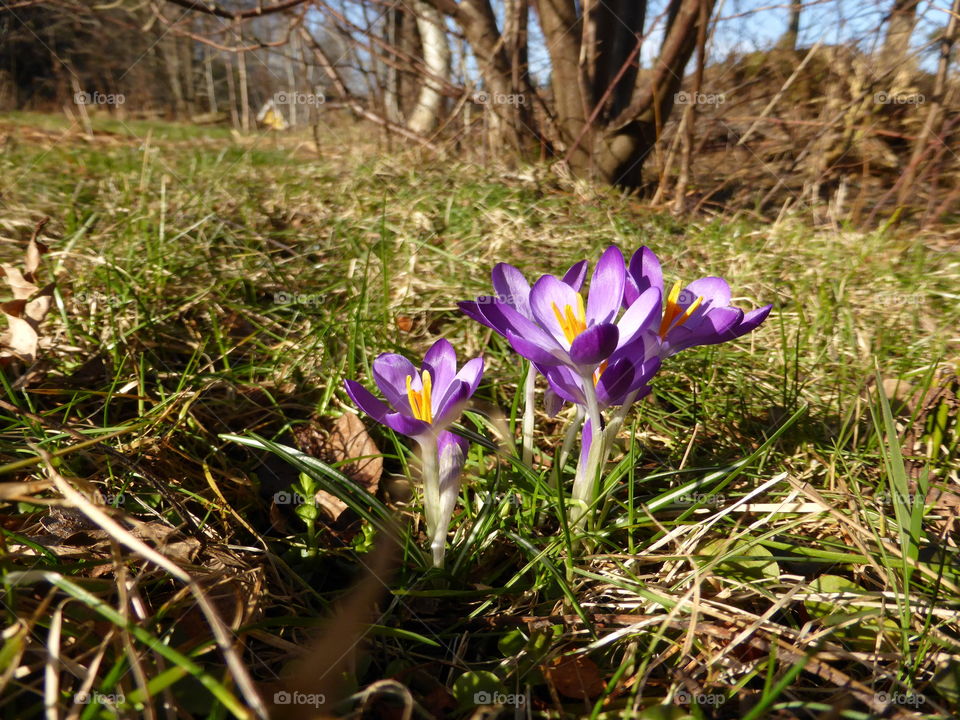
(529, 391)
(450, 464)
(431, 491)
(585, 483)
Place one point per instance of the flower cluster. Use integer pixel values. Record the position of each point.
(597, 349)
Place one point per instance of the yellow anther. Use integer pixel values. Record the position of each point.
(572, 322)
(420, 400)
(686, 315)
(598, 372)
(672, 310)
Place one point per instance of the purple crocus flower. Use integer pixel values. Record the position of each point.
(423, 404)
(620, 378)
(513, 290)
(566, 330)
(699, 314)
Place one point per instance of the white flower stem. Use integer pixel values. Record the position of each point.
(529, 400)
(431, 494)
(585, 483)
(611, 431)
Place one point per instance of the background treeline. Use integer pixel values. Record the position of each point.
(846, 110)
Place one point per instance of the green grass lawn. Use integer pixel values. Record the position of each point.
(752, 557)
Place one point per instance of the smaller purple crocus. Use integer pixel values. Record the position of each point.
(699, 314)
(423, 404)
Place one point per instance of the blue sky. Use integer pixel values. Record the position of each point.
(747, 25)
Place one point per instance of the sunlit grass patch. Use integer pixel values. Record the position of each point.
(762, 548)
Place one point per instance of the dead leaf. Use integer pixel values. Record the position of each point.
(347, 440)
(32, 260)
(22, 288)
(28, 308)
(576, 677)
(38, 308)
(21, 339)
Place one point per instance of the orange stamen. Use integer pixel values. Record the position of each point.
(420, 400)
(572, 322)
(672, 311)
(598, 372)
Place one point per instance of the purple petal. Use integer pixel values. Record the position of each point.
(645, 270)
(552, 402)
(506, 319)
(471, 308)
(565, 385)
(366, 401)
(441, 361)
(639, 316)
(452, 404)
(708, 329)
(390, 371)
(549, 292)
(546, 354)
(594, 344)
(575, 276)
(714, 290)
(586, 439)
(406, 425)
(643, 373)
(615, 382)
(447, 440)
(630, 291)
(606, 287)
(640, 349)
(751, 321)
(512, 287)
(470, 373)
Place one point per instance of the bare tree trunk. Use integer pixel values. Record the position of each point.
(436, 58)
(690, 113)
(291, 82)
(514, 118)
(232, 93)
(562, 29)
(185, 48)
(515, 13)
(788, 41)
(931, 127)
(208, 76)
(391, 101)
(622, 150)
(244, 91)
(896, 43)
(171, 63)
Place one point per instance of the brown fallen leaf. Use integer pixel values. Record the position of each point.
(28, 308)
(346, 440)
(576, 677)
(22, 288)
